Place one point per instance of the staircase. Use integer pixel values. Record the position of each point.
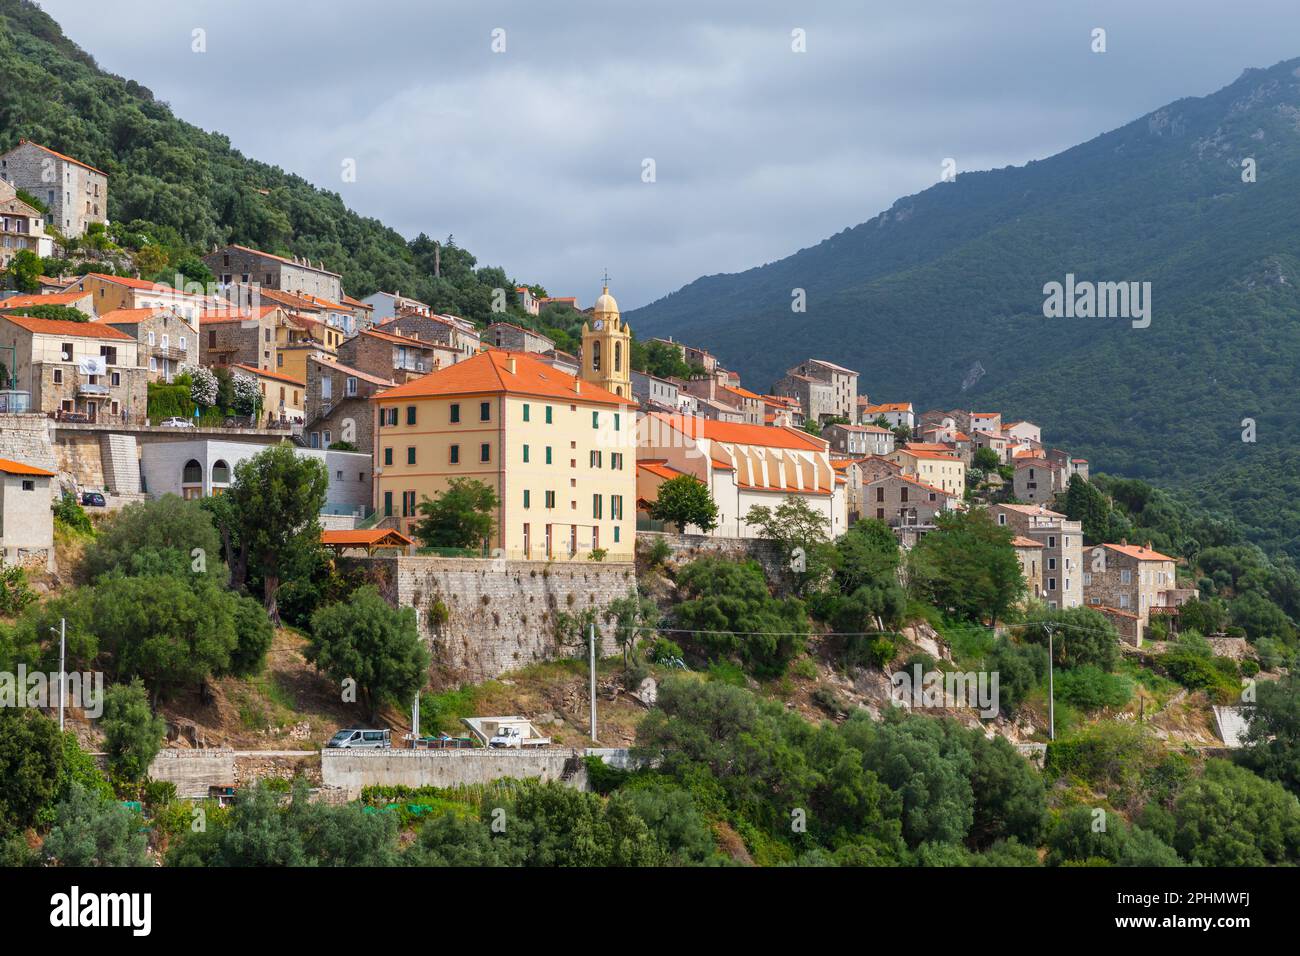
(121, 463)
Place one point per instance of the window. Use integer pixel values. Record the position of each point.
(548, 454)
(212, 340)
(455, 454)
(485, 411)
(527, 408)
(548, 414)
(525, 454)
(184, 344)
(616, 530)
(595, 419)
(410, 414)
(1051, 584)
(596, 510)
(616, 507)
(485, 452)
(29, 484)
(1051, 564)
(58, 376)
(595, 356)
(388, 504)
(151, 336)
(595, 459)
(455, 412)
(550, 499)
(527, 498)
(616, 460)
(617, 418)
(410, 455)
(1125, 576)
(1051, 540)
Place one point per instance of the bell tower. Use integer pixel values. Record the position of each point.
(607, 347)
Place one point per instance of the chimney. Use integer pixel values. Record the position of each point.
(577, 386)
(510, 365)
(1124, 542)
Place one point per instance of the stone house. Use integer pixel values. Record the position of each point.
(397, 357)
(1035, 480)
(843, 383)
(816, 398)
(76, 368)
(1029, 553)
(122, 292)
(75, 193)
(516, 338)
(903, 502)
(934, 467)
(897, 414)
(283, 397)
(338, 404)
(166, 340)
(1133, 579)
(1062, 541)
(455, 333)
(240, 265)
(236, 337)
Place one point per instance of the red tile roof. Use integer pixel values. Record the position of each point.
(1139, 552)
(660, 468)
(489, 373)
(364, 537)
(70, 159)
(266, 373)
(83, 330)
(19, 468)
(741, 434)
(54, 298)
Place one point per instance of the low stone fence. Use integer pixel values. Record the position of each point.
(353, 770)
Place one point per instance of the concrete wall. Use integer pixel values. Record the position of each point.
(500, 615)
(352, 770)
(194, 771)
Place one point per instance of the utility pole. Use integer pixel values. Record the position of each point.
(1051, 689)
(593, 681)
(63, 680)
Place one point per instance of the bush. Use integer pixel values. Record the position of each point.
(133, 734)
(1091, 688)
(70, 515)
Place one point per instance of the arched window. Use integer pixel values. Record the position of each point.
(221, 472)
(618, 356)
(193, 474)
(595, 356)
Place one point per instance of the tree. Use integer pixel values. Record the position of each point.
(985, 459)
(633, 615)
(25, 272)
(93, 830)
(203, 385)
(133, 734)
(275, 503)
(967, 567)
(31, 760)
(246, 395)
(729, 605)
(865, 593)
(460, 516)
(685, 500)
(1081, 636)
(802, 535)
(1085, 503)
(168, 535)
(1230, 817)
(1273, 740)
(57, 313)
(368, 640)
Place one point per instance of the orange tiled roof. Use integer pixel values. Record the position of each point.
(266, 373)
(83, 330)
(1139, 552)
(350, 371)
(268, 255)
(28, 301)
(234, 313)
(129, 316)
(70, 159)
(489, 373)
(362, 537)
(660, 468)
(890, 407)
(741, 434)
(1020, 541)
(19, 468)
(928, 455)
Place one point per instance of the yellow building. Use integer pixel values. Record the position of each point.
(936, 468)
(560, 453)
(299, 338)
(607, 348)
(283, 397)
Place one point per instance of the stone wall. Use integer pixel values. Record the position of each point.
(353, 770)
(195, 771)
(484, 617)
(688, 547)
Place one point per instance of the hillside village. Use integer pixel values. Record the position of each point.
(521, 500)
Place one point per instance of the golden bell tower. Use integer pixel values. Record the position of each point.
(607, 347)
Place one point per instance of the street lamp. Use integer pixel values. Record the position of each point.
(63, 634)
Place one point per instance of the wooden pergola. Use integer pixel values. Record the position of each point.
(369, 540)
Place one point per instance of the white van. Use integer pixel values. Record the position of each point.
(362, 739)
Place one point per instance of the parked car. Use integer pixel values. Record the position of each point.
(92, 499)
(175, 423)
(354, 739)
(506, 737)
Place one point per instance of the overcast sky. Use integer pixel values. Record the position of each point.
(533, 157)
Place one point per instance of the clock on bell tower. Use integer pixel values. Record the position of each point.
(607, 347)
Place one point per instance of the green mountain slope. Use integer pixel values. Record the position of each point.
(940, 299)
(188, 187)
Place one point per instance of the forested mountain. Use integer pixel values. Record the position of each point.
(939, 300)
(185, 189)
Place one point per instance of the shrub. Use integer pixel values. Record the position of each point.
(1092, 688)
(69, 514)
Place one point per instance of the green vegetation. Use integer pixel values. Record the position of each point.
(686, 502)
(461, 516)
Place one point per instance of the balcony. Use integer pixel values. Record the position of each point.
(93, 389)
